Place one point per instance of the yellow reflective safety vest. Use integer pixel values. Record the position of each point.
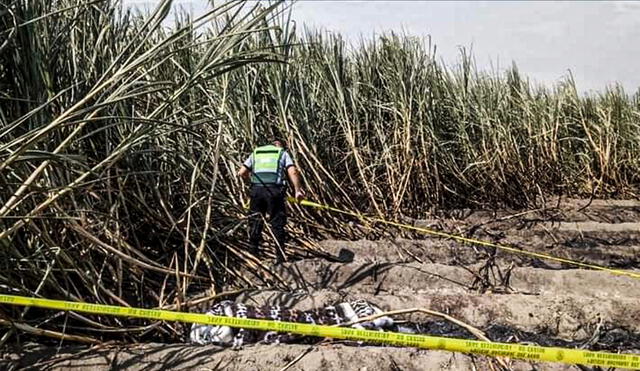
(266, 166)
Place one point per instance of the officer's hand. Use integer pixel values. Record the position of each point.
(300, 195)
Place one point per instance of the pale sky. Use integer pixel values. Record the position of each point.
(599, 42)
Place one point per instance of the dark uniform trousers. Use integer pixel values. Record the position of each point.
(267, 199)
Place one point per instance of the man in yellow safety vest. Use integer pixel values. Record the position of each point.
(269, 168)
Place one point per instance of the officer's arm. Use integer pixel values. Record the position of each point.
(294, 177)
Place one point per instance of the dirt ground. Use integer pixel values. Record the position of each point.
(511, 297)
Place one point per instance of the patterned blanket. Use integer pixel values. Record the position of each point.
(337, 314)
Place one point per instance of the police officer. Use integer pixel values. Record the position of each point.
(269, 168)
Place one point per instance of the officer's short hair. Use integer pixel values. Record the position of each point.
(282, 142)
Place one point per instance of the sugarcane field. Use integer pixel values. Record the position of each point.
(298, 185)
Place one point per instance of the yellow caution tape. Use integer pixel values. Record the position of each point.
(465, 239)
(529, 352)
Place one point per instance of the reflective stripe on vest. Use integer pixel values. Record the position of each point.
(266, 165)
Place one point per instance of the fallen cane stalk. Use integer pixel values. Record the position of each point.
(203, 300)
(44, 364)
(48, 333)
(475, 331)
(297, 359)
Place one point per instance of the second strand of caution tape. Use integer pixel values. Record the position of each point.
(465, 239)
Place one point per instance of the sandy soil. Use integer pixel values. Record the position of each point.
(511, 297)
(326, 356)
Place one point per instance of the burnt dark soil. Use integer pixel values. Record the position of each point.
(608, 337)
